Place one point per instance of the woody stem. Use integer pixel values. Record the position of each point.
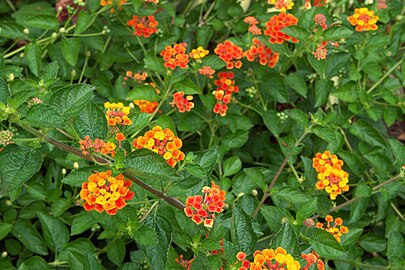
(173, 201)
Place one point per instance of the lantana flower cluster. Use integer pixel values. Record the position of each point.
(181, 102)
(336, 230)
(175, 56)
(253, 28)
(139, 77)
(144, 26)
(282, 5)
(268, 259)
(223, 94)
(117, 114)
(363, 19)
(331, 176)
(104, 192)
(265, 54)
(97, 146)
(230, 54)
(162, 142)
(199, 53)
(276, 24)
(207, 71)
(119, 4)
(203, 209)
(311, 259)
(146, 106)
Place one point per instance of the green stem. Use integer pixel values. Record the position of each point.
(385, 75)
(398, 212)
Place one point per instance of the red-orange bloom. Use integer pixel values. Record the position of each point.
(182, 103)
(143, 26)
(175, 56)
(223, 94)
(120, 136)
(113, 3)
(265, 55)
(201, 209)
(230, 54)
(97, 146)
(117, 114)
(253, 28)
(104, 192)
(364, 20)
(146, 106)
(207, 71)
(336, 230)
(276, 24)
(312, 258)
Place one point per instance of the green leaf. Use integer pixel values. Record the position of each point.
(204, 35)
(242, 233)
(34, 263)
(150, 167)
(44, 116)
(33, 53)
(214, 62)
(187, 86)
(232, 165)
(274, 87)
(84, 21)
(273, 216)
(363, 190)
(322, 91)
(143, 92)
(298, 116)
(206, 262)
(50, 73)
(372, 242)
(296, 31)
(297, 83)
(11, 30)
(286, 238)
(347, 92)
(48, 22)
(325, 133)
(235, 140)
(25, 232)
(91, 121)
(155, 64)
(5, 229)
(77, 177)
(4, 91)
(82, 222)
(351, 238)
(396, 249)
(145, 236)
(70, 48)
(17, 165)
(116, 251)
(398, 149)
(55, 233)
(326, 245)
(317, 65)
(336, 33)
(139, 121)
(308, 209)
(69, 100)
(367, 133)
(290, 194)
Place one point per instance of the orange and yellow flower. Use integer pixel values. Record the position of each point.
(269, 259)
(104, 192)
(207, 71)
(276, 24)
(114, 3)
(230, 54)
(265, 54)
(146, 106)
(363, 19)
(162, 142)
(253, 28)
(182, 103)
(144, 26)
(199, 53)
(282, 5)
(223, 94)
(117, 114)
(97, 146)
(312, 258)
(336, 230)
(175, 56)
(330, 176)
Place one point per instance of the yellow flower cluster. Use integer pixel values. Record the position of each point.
(363, 19)
(117, 114)
(199, 53)
(282, 5)
(330, 176)
(269, 259)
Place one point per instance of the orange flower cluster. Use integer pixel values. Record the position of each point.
(117, 114)
(138, 77)
(230, 54)
(363, 19)
(143, 26)
(330, 176)
(269, 259)
(152, 1)
(276, 24)
(146, 106)
(104, 3)
(175, 56)
(334, 231)
(182, 103)
(282, 5)
(104, 192)
(321, 52)
(253, 28)
(162, 142)
(201, 209)
(223, 94)
(199, 53)
(265, 54)
(97, 146)
(312, 258)
(207, 71)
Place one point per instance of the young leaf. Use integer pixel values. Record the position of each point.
(297, 83)
(232, 165)
(70, 50)
(55, 232)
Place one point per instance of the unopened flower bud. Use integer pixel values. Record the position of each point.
(76, 165)
(54, 35)
(64, 171)
(254, 192)
(22, 55)
(11, 77)
(283, 220)
(88, 53)
(103, 32)
(73, 73)
(131, 105)
(4, 254)
(26, 31)
(9, 202)
(309, 222)
(60, 8)
(240, 194)
(388, 53)
(62, 30)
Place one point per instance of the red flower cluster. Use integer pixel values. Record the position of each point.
(143, 26)
(175, 56)
(253, 22)
(312, 258)
(265, 54)
(334, 231)
(230, 54)
(146, 106)
(97, 146)
(320, 19)
(162, 142)
(223, 94)
(104, 192)
(207, 71)
(182, 103)
(276, 24)
(201, 209)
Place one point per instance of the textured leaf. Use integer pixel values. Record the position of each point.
(336, 33)
(5, 229)
(91, 121)
(11, 30)
(296, 31)
(77, 177)
(297, 82)
(48, 22)
(70, 50)
(286, 238)
(44, 116)
(116, 251)
(33, 53)
(242, 233)
(4, 91)
(232, 165)
(82, 222)
(55, 232)
(326, 245)
(84, 21)
(187, 86)
(25, 232)
(143, 92)
(307, 209)
(17, 165)
(367, 133)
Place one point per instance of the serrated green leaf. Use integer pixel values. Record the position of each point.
(155, 64)
(4, 91)
(84, 21)
(82, 222)
(44, 116)
(25, 232)
(33, 53)
(351, 238)
(297, 83)
(296, 31)
(17, 165)
(398, 150)
(5, 229)
(367, 133)
(307, 209)
(372, 242)
(116, 251)
(322, 91)
(70, 50)
(298, 116)
(232, 165)
(326, 245)
(290, 194)
(145, 236)
(326, 134)
(273, 216)
(396, 249)
(214, 62)
(11, 30)
(336, 33)
(69, 100)
(50, 73)
(143, 92)
(48, 22)
(347, 92)
(187, 86)
(286, 238)
(55, 233)
(242, 233)
(91, 121)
